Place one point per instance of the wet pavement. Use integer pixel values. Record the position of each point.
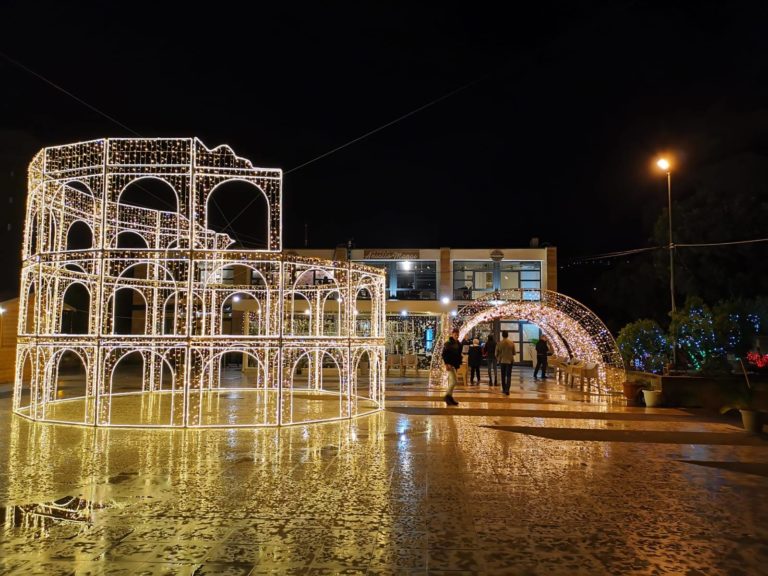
(545, 481)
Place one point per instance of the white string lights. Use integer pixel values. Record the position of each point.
(308, 356)
(573, 329)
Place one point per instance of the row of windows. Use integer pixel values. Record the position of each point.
(472, 279)
(417, 280)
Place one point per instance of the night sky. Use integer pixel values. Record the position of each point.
(558, 113)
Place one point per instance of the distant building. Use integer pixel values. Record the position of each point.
(419, 280)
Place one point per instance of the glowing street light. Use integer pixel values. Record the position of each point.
(445, 300)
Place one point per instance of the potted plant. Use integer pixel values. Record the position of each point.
(743, 400)
(652, 397)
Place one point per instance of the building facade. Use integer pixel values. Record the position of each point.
(424, 285)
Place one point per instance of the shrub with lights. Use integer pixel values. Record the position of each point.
(644, 346)
(693, 328)
(704, 337)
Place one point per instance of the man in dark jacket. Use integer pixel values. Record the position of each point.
(542, 351)
(490, 355)
(452, 361)
(474, 359)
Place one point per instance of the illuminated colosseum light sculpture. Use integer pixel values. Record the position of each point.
(150, 348)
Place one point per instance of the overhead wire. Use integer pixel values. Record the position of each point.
(607, 255)
(754, 241)
(111, 119)
(229, 223)
(403, 117)
(68, 93)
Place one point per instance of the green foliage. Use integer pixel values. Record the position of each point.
(693, 329)
(704, 335)
(644, 346)
(737, 324)
(727, 202)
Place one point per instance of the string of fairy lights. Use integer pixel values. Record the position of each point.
(307, 323)
(574, 331)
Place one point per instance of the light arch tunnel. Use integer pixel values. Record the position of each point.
(574, 331)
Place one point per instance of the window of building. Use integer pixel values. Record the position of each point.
(409, 279)
(473, 279)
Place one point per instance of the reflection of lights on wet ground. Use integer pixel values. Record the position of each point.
(313, 480)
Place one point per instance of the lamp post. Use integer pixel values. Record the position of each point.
(663, 163)
(2, 313)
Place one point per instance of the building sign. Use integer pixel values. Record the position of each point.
(384, 254)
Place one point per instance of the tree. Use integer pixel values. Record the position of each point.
(729, 203)
(644, 346)
(693, 329)
(737, 324)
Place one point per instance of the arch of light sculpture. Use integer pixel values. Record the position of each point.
(178, 281)
(573, 329)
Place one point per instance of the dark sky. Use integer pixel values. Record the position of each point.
(565, 107)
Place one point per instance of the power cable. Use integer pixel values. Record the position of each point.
(388, 124)
(83, 102)
(578, 259)
(111, 119)
(404, 116)
(370, 133)
(755, 241)
(614, 254)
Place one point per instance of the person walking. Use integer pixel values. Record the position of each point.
(542, 351)
(490, 356)
(505, 354)
(452, 360)
(475, 358)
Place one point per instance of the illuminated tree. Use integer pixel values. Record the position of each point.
(644, 346)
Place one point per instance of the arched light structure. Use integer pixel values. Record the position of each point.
(573, 329)
(174, 275)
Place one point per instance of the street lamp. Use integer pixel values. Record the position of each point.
(663, 163)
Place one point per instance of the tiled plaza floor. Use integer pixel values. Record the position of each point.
(546, 481)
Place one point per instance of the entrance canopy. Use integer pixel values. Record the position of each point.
(574, 331)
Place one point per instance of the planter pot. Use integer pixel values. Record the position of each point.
(752, 421)
(632, 392)
(652, 398)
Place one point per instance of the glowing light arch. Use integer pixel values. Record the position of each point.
(183, 295)
(573, 329)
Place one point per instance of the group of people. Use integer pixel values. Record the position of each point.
(499, 355)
